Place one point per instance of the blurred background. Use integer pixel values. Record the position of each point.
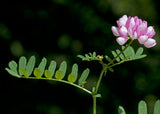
(60, 30)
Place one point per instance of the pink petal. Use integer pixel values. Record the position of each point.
(143, 39)
(137, 23)
(122, 21)
(121, 40)
(130, 32)
(131, 26)
(150, 31)
(115, 31)
(132, 20)
(145, 23)
(123, 32)
(135, 18)
(128, 22)
(132, 23)
(150, 43)
(142, 29)
(134, 36)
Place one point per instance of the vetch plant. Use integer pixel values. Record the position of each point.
(128, 30)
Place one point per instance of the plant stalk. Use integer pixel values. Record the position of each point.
(99, 80)
(94, 93)
(94, 104)
(52, 79)
(120, 52)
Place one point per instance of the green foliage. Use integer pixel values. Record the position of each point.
(22, 64)
(89, 57)
(98, 95)
(73, 75)
(47, 74)
(30, 65)
(52, 67)
(142, 108)
(63, 68)
(127, 54)
(121, 110)
(42, 65)
(24, 70)
(82, 79)
(59, 75)
(157, 107)
(13, 69)
(37, 73)
(108, 58)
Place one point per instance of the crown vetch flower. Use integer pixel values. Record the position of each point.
(134, 28)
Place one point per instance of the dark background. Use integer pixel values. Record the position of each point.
(60, 30)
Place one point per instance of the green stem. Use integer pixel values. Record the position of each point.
(120, 52)
(52, 79)
(94, 93)
(104, 69)
(99, 80)
(94, 104)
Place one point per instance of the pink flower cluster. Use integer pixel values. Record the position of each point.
(134, 28)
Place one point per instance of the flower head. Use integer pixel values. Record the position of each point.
(134, 28)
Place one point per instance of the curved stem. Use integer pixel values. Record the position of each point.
(99, 80)
(120, 52)
(63, 81)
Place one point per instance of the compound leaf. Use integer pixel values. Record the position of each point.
(139, 51)
(73, 75)
(82, 79)
(121, 110)
(94, 54)
(91, 54)
(157, 107)
(129, 52)
(115, 55)
(23, 71)
(98, 95)
(47, 74)
(63, 68)
(142, 108)
(108, 58)
(13, 66)
(140, 56)
(111, 69)
(121, 55)
(81, 56)
(11, 72)
(22, 64)
(52, 67)
(37, 73)
(30, 65)
(42, 65)
(89, 57)
(59, 75)
(75, 70)
(71, 78)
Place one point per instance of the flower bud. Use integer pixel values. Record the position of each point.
(150, 43)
